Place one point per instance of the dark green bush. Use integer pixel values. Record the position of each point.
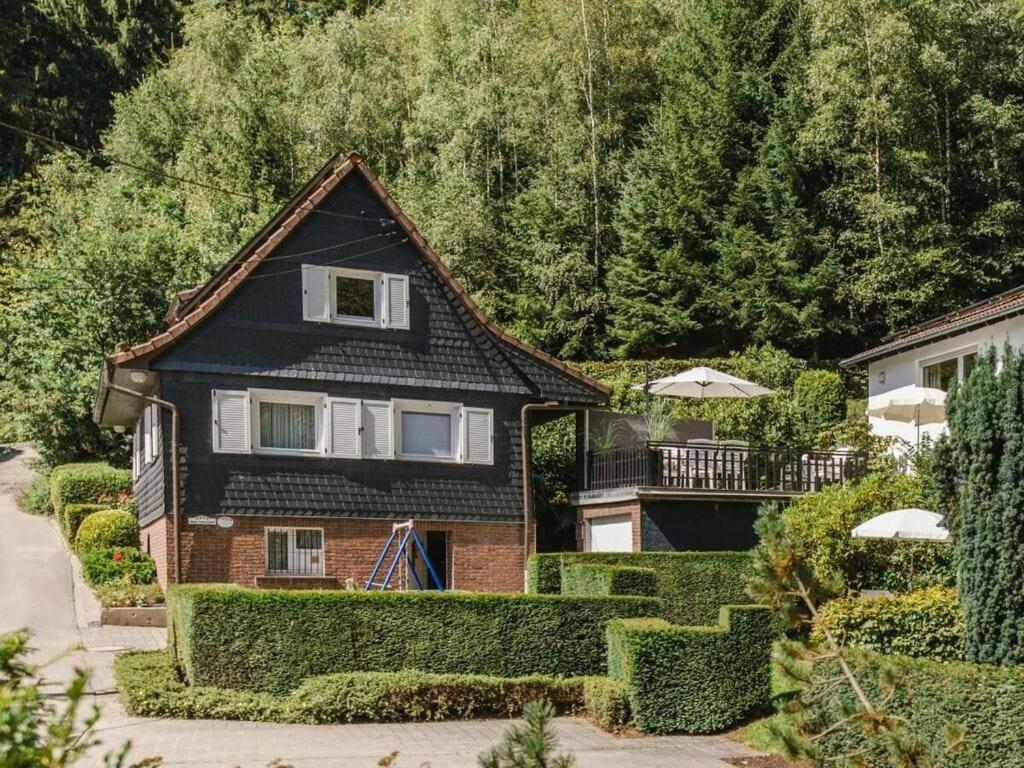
(74, 514)
(270, 640)
(126, 565)
(694, 585)
(91, 483)
(925, 623)
(584, 579)
(607, 702)
(693, 679)
(107, 528)
(987, 701)
(36, 498)
(820, 402)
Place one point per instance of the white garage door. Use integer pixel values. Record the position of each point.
(611, 534)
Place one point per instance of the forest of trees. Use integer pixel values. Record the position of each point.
(610, 178)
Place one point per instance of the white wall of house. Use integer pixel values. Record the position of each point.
(909, 367)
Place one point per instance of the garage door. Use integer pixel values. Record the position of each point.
(611, 534)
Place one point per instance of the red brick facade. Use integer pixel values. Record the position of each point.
(486, 557)
(629, 507)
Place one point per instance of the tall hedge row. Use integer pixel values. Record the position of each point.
(694, 585)
(270, 640)
(88, 483)
(694, 679)
(987, 701)
(599, 580)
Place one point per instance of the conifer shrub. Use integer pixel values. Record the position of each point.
(107, 528)
(820, 402)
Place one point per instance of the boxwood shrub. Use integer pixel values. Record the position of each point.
(987, 701)
(89, 483)
(694, 585)
(270, 640)
(584, 579)
(107, 528)
(126, 565)
(607, 703)
(73, 516)
(693, 679)
(926, 623)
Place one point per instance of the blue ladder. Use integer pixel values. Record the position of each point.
(404, 532)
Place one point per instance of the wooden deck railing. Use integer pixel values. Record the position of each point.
(721, 468)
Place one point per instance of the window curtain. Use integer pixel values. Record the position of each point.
(287, 425)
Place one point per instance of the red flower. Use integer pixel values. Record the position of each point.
(118, 556)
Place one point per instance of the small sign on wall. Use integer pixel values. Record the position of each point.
(202, 520)
(225, 522)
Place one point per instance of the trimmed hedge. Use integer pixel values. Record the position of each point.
(693, 679)
(694, 585)
(107, 528)
(88, 483)
(987, 701)
(607, 703)
(74, 514)
(598, 580)
(150, 687)
(270, 640)
(926, 623)
(126, 565)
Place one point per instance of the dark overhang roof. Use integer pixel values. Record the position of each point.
(991, 310)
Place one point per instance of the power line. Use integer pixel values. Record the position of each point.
(182, 180)
(330, 263)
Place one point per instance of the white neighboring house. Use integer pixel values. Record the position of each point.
(938, 353)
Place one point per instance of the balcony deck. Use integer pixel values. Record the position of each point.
(717, 469)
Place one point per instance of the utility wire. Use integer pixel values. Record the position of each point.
(182, 180)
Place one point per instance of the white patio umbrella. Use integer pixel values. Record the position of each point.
(910, 524)
(703, 382)
(912, 404)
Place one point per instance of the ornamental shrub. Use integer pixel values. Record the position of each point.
(90, 483)
(986, 701)
(607, 703)
(820, 402)
(693, 679)
(107, 528)
(126, 565)
(693, 585)
(73, 516)
(584, 579)
(270, 640)
(924, 623)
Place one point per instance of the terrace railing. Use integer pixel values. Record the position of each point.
(719, 467)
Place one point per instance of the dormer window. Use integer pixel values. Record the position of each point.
(355, 297)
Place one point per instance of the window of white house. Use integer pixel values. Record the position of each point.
(287, 422)
(295, 551)
(427, 431)
(942, 374)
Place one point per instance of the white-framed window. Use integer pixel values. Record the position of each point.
(147, 440)
(295, 551)
(428, 431)
(286, 422)
(355, 297)
(941, 372)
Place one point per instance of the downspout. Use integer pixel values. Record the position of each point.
(175, 501)
(528, 474)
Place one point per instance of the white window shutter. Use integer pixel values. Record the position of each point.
(396, 301)
(157, 435)
(478, 435)
(231, 421)
(316, 300)
(147, 434)
(136, 446)
(377, 430)
(343, 417)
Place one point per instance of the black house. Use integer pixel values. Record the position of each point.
(332, 379)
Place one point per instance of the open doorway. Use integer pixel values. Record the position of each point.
(436, 544)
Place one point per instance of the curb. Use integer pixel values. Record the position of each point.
(87, 607)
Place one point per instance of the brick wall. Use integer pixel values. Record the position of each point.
(630, 507)
(157, 539)
(485, 557)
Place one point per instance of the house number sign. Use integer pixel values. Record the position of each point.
(225, 522)
(202, 520)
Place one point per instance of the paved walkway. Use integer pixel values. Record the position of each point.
(38, 592)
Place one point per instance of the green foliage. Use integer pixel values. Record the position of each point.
(600, 580)
(270, 640)
(74, 514)
(925, 623)
(89, 483)
(822, 521)
(36, 498)
(607, 703)
(107, 528)
(693, 585)
(973, 707)
(982, 471)
(127, 565)
(820, 402)
(693, 679)
(120, 595)
(531, 745)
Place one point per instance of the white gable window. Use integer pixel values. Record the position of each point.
(287, 422)
(356, 297)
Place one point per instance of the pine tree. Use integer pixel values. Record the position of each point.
(531, 745)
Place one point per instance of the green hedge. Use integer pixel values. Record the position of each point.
(987, 701)
(73, 516)
(598, 580)
(925, 623)
(270, 640)
(693, 679)
(91, 483)
(150, 687)
(607, 703)
(694, 585)
(107, 528)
